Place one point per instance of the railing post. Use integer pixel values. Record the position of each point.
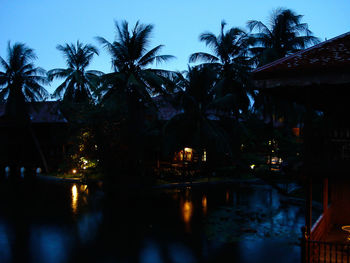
(303, 245)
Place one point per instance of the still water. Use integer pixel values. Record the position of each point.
(63, 222)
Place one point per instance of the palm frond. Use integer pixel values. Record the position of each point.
(202, 56)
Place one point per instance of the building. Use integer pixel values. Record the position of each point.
(39, 144)
(319, 78)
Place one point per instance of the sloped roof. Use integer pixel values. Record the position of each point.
(166, 110)
(42, 112)
(331, 54)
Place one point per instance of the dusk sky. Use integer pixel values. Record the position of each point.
(177, 24)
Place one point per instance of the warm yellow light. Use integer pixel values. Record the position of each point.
(186, 154)
(74, 171)
(204, 201)
(83, 187)
(187, 211)
(204, 204)
(204, 157)
(74, 198)
(252, 166)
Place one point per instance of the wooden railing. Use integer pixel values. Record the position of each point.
(325, 252)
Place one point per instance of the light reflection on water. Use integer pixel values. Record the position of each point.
(79, 196)
(74, 198)
(204, 205)
(230, 210)
(187, 209)
(5, 249)
(50, 244)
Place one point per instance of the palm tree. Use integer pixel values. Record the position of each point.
(131, 61)
(79, 83)
(230, 60)
(194, 128)
(133, 82)
(19, 83)
(285, 34)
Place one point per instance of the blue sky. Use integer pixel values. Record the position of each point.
(44, 24)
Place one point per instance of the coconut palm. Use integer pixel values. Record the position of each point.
(131, 61)
(285, 34)
(193, 127)
(128, 89)
(79, 83)
(20, 81)
(230, 60)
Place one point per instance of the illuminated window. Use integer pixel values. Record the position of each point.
(184, 155)
(204, 156)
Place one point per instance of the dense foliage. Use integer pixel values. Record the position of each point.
(115, 122)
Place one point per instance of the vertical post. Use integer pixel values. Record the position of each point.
(325, 202)
(303, 245)
(308, 160)
(308, 212)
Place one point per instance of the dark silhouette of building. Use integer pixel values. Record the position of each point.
(319, 78)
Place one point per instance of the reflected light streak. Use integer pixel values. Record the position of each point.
(84, 188)
(187, 209)
(74, 198)
(204, 204)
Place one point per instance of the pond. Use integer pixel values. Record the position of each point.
(67, 222)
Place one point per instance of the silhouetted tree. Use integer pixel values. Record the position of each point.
(285, 34)
(79, 83)
(128, 89)
(194, 128)
(231, 62)
(21, 82)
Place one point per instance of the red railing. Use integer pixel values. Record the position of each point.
(325, 252)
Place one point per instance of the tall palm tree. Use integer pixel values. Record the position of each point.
(230, 60)
(20, 81)
(133, 82)
(285, 34)
(193, 127)
(131, 61)
(79, 83)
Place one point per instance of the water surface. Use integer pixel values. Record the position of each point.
(63, 222)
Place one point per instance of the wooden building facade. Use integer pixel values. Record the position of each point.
(319, 79)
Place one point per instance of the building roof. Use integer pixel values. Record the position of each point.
(42, 112)
(166, 110)
(331, 54)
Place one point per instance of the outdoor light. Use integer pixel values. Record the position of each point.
(252, 166)
(74, 171)
(204, 157)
